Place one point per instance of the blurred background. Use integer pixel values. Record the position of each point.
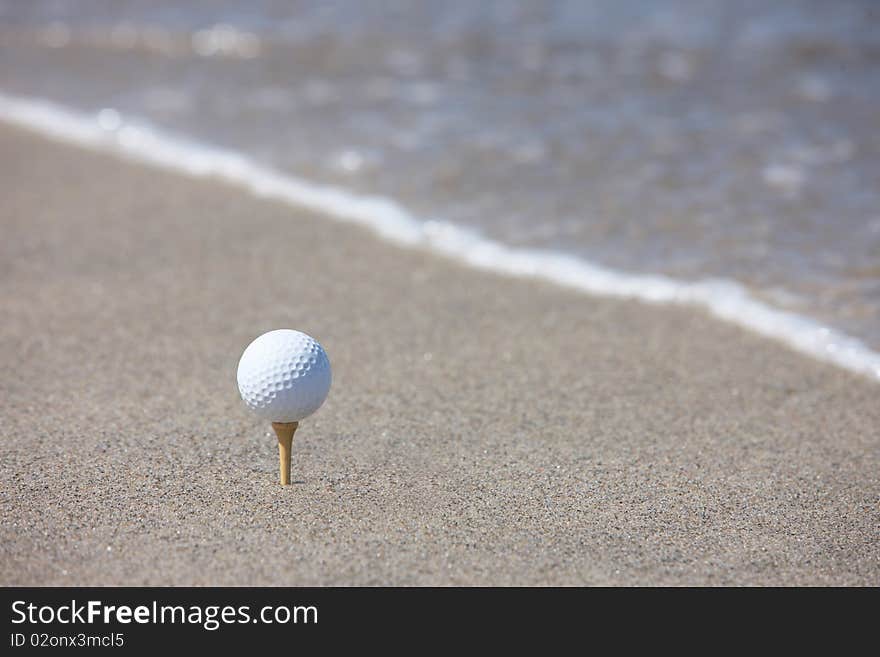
(693, 138)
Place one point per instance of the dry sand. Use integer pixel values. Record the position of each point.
(481, 430)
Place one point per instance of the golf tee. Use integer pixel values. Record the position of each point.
(284, 431)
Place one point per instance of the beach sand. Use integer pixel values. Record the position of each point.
(480, 430)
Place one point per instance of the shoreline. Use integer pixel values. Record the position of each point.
(482, 429)
(726, 300)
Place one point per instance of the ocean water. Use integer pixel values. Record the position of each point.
(690, 141)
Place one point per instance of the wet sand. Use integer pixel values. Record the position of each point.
(481, 429)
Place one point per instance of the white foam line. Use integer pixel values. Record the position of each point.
(727, 300)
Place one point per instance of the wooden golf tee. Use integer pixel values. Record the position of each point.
(284, 431)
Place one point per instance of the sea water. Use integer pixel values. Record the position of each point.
(710, 152)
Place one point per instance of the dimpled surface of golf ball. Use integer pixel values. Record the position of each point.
(284, 375)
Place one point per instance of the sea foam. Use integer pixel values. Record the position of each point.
(109, 132)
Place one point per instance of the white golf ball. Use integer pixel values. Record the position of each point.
(284, 376)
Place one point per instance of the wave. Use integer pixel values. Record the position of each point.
(107, 131)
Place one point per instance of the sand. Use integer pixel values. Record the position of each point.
(480, 430)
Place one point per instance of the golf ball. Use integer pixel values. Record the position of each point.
(284, 375)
